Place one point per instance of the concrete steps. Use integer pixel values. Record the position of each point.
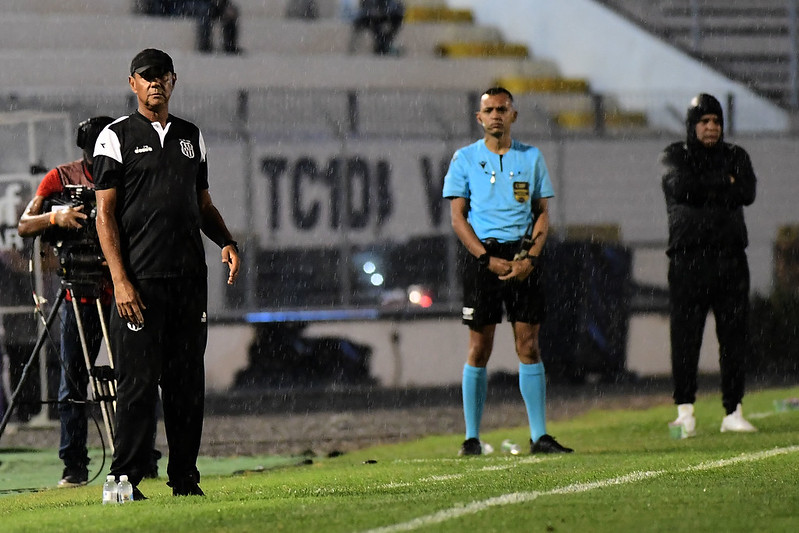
(65, 7)
(76, 70)
(442, 50)
(748, 41)
(436, 13)
(481, 49)
(32, 31)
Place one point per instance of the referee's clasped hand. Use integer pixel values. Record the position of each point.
(500, 267)
(519, 269)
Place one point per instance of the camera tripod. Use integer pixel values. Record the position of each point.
(101, 378)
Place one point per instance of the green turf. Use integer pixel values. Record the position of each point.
(627, 475)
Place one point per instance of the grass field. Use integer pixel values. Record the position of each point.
(627, 475)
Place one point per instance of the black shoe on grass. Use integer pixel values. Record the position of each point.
(547, 444)
(137, 495)
(188, 488)
(74, 477)
(471, 447)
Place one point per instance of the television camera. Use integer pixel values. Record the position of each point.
(80, 257)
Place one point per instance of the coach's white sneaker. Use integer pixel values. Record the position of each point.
(685, 421)
(735, 421)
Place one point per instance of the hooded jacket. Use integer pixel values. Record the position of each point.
(706, 188)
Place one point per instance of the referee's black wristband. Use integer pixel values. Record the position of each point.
(232, 243)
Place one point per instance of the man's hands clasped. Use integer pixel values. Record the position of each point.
(505, 269)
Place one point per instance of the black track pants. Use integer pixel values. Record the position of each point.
(705, 281)
(168, 351)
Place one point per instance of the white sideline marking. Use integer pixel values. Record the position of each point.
(447, 477)
(514, 459)
(522, 497)
(756, 416)
(450, 477)
(395, 485)
(743, 458)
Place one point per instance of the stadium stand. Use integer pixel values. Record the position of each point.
(747, 41)
(306, 59)
(436, 12)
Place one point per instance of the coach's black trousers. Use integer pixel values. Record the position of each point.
(168, 351)
(701, 281)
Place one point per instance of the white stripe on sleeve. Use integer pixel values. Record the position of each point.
(108, 145)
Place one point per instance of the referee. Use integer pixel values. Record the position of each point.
(498, 190)
(151, 178)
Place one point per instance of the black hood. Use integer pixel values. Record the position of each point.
(702, 104)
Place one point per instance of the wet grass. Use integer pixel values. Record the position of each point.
(627, 475)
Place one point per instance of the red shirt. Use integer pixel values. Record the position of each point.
(51, 184)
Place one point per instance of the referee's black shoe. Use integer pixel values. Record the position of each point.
(548, 444)
(471, 447)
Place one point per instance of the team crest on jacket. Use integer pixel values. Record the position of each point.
(187, 148)
(521, 191)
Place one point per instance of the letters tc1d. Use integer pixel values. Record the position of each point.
(358, 191)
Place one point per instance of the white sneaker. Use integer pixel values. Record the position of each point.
(685, 421)
(735, 421)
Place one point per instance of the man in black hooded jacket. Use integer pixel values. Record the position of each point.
(707, 182)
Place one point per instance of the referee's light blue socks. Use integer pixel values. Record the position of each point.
(474, 387)
(532, 383)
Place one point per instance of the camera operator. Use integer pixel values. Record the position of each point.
(74, 375)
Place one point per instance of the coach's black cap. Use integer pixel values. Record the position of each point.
(151, 58)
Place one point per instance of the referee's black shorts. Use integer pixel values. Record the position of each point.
(484, 294)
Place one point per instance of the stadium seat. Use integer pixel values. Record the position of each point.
(747, 41)
(287, 60)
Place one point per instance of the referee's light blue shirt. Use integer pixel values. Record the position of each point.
(500, 189)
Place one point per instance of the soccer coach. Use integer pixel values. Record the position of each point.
(153, 202)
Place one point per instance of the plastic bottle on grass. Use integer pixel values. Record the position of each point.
(110, 490)
(125, 489)
(510, 447)
(788, 404)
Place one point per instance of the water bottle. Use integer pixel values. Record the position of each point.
(110, 490)
(124, 490)
(510, 447)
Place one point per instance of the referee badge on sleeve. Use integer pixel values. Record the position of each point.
(521, 191)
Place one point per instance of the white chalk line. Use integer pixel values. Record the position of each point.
(450, 477)
(575, 488)
(757, 416)
(487, 458)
